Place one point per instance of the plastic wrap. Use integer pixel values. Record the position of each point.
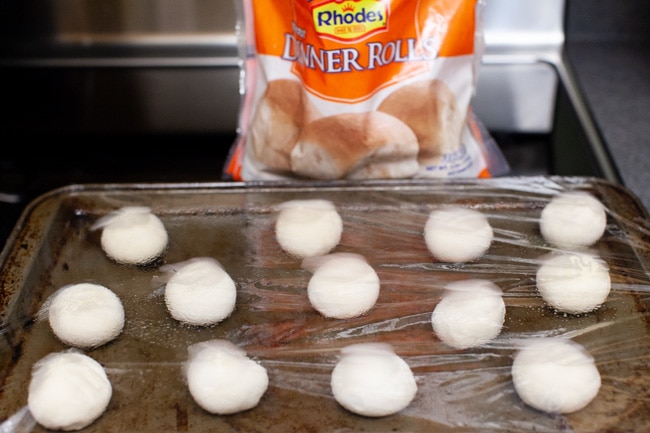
(458, 390)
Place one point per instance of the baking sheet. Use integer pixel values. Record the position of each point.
(459, 390)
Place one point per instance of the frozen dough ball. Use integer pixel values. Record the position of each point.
(555, 375)
(573, 283)
(573, 219)
(199, 291)
(85, 315)
(457, 234)
(343, 285)
(133, 235)
(470, 313)
(370, 379)
(307, 228)
(222, 379)
(68, 391)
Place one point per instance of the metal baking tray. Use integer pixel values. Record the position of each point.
(459, 390)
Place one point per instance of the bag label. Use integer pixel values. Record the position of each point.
(349, 21)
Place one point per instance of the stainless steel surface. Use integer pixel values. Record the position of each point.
(520, 37)
(507, 100)
(177, 62)
(524, 68)
(149, 33)
(202, 34)
(136, 33)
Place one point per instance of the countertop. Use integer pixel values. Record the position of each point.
(608, 47)
(613, 77)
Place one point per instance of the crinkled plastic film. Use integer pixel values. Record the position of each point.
(458, 390)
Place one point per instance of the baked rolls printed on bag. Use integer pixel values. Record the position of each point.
(281, 114)
(416, 61)
(371, 145)
(430, 109)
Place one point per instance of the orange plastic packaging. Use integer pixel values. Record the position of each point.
(360, 89)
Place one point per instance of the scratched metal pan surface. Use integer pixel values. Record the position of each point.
(458, 390)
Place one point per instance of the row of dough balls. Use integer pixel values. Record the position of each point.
(368, 379)
(69, 390)
(572, 281)
(88, 315)
(573, 219)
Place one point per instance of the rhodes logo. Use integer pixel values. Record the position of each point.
(350, 20)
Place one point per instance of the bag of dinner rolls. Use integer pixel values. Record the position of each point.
(360, 89)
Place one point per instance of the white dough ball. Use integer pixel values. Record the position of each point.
(222, 379)
(470, 313)
(573, 283)
(555, 375)
(85, 315)
(573, 219)
(199, 291)
(68, 391)
(307, 228)
(133, 235)
(343, 285)
(370, 379)
(456, 234)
